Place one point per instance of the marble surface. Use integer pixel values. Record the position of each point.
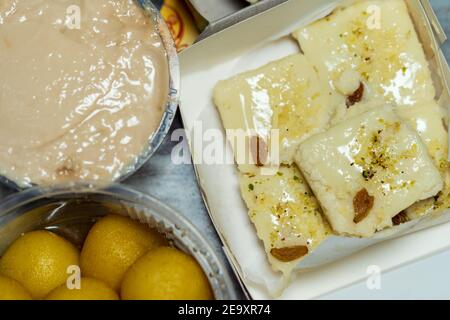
(176, 185)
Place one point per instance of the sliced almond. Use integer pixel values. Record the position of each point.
(288, 254)
(356, 96)
(258, 148)
(362, 204)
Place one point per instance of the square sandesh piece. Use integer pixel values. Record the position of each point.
(367, 170)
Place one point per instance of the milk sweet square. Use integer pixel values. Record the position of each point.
(286, 214)
(373, 44)
(367, 170)
(426, 118)
(429, 122)
(283, 95)
(78, 104)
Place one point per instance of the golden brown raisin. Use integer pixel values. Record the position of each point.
(356, 96)
(401, 218)
(258, 148)
(288, 254)
(362, 204)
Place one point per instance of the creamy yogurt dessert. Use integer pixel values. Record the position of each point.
(83, 87)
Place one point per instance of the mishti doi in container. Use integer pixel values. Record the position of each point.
(88, 89)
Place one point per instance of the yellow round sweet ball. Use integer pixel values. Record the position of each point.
(90, 289)
(166, 274)
(113, 244)
(12, 290)
(39, 261)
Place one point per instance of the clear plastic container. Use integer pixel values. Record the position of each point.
(70, 212)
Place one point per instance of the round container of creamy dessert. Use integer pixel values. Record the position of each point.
(88, 89)
(71, 211)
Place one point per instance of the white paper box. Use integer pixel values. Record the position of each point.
(249, 45)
